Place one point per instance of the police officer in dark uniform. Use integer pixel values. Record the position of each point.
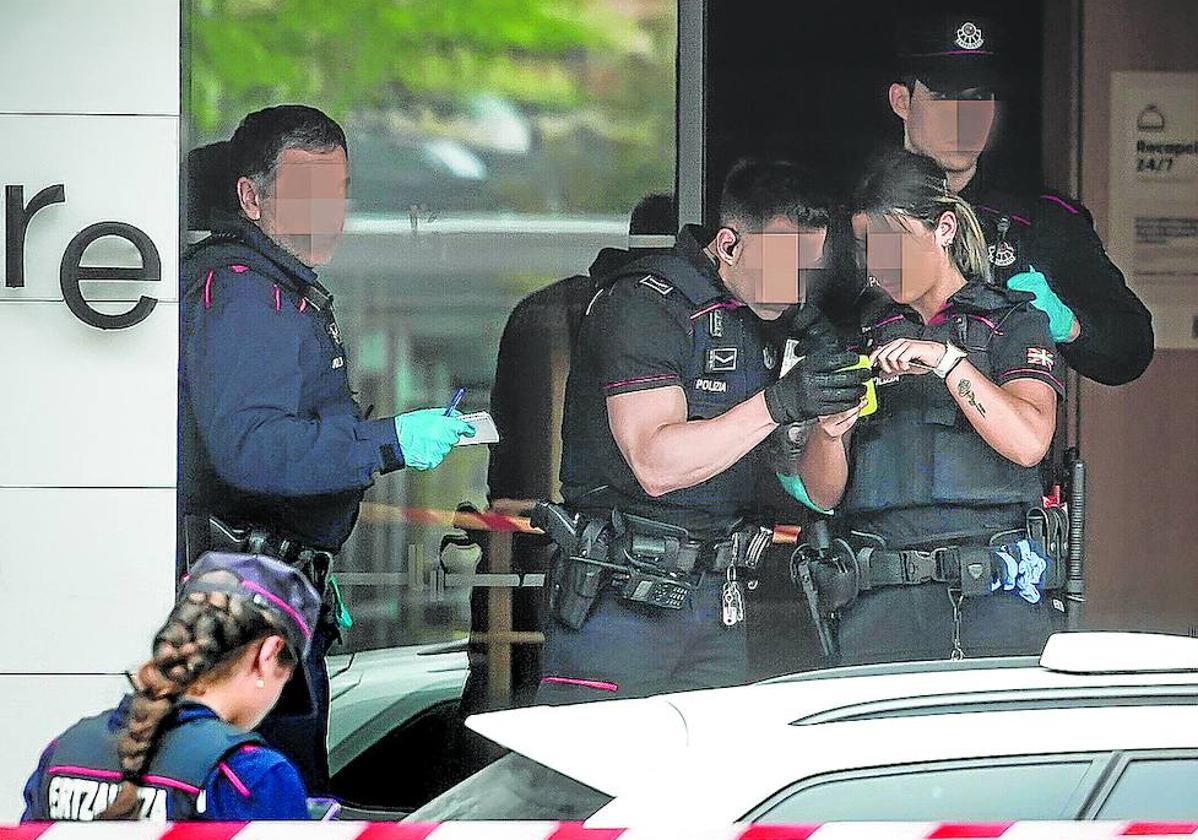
(941, 479)
(673, 389)
(949, 84)
(275, 453)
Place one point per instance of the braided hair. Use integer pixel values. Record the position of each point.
(200, 643)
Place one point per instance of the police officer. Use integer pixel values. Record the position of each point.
(673, 388)
(180, 747)
(275, 452)
(940, 480)
(947, 97)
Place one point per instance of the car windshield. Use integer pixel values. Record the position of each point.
(514, 788)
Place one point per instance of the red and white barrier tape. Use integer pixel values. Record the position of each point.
(575, 831)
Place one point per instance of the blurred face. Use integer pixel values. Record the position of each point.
(303, 210)
(952, 129)
(772, 269)
(901, 254)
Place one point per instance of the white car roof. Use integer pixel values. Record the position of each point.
(714, 754)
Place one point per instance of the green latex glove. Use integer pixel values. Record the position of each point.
(793, 485)
(1060, 317)
(427, 435)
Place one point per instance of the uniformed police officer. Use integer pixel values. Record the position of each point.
(180, 747)
(275, 452)
(940, 480)
(947, 95)
(673, 389)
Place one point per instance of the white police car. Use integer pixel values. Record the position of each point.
(1102, 726)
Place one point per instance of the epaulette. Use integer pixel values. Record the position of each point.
(656, 284)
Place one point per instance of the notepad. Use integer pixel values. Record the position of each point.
(484, 429)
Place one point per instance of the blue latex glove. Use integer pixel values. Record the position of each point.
(1022, 567)
(427, 435)
(1060, 317)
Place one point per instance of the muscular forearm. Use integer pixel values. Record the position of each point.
(678, 455)
(824, 468)
(1013, 427)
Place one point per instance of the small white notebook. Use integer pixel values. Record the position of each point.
(484, 429)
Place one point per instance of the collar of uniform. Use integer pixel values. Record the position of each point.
(972, 297)
(189, 710)
(690, 244)
(250, 234)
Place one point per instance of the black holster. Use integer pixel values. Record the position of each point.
(580, 570)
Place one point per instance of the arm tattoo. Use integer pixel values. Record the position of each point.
(966, 390)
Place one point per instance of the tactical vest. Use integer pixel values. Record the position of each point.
(919, 449)
(84, 774)
(729, 362)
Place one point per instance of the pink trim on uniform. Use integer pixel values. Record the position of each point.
(993, 326)
(599, 685)
(83, 771)
(238, 269)
(1065, 204)
(303, 304)
(245, 748)
(1005, 373)
(208, 291)
(941, 316)
(726, 304)
(280, 603)
(236, 782)
(166, 781)
(639, 380)
(886, 321)
(278, 298)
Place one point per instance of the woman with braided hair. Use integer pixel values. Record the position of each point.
(181, 746)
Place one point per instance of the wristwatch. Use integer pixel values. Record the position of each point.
(952, 356)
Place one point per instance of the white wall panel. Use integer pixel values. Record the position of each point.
(81, 407)
(86, 577)
(35, 709)
(122, 169)
(89, 56)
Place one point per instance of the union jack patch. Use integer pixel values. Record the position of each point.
(1040, 356)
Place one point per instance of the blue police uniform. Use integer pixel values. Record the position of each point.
(921, 479)
(203, 769)
(665, 321)
(271, 435)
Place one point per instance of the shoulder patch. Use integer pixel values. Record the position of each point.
(656, 284)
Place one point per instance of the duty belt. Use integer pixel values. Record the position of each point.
(966, 567)
(314, 563)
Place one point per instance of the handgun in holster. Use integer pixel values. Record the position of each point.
(825, 570)
(580, 569)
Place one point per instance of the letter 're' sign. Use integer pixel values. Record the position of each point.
(71, 272)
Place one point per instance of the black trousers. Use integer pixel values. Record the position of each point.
(907, 623)
(304, 738)
(627, 649)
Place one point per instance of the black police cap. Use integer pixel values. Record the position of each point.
(950, 52)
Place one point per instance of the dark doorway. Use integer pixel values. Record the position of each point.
(808, 80)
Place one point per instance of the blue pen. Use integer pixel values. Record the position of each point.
(454, 400)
